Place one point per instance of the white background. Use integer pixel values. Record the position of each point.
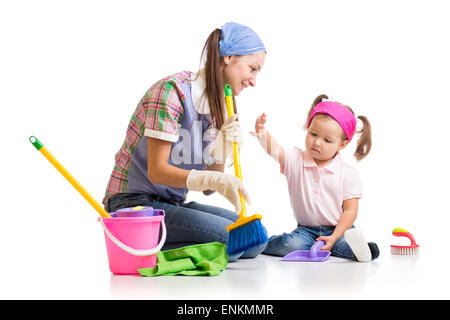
(72, 73)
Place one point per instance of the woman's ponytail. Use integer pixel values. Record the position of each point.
(214, 82)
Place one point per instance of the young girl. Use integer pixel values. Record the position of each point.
(324, 191)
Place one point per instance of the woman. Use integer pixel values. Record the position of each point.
(173, 143)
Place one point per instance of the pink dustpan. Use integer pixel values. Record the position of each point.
(314, 254)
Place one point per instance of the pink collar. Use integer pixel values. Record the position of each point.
(332, 167)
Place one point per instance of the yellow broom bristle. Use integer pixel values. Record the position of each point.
(244, 220)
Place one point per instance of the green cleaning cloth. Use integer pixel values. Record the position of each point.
(206, 259)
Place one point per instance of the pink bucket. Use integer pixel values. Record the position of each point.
(132, 243)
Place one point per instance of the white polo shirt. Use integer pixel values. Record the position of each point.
(317, 194)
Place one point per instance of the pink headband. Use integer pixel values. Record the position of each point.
(338, 112)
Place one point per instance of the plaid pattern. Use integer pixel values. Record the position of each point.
(158, 115)
(163, 107)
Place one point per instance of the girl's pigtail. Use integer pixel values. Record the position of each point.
(319, 98)
(364, 143)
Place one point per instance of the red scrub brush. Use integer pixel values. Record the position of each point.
(412, 249)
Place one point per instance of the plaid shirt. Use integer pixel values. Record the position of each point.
(158, 115)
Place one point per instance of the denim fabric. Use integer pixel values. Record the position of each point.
(302, 238)
(187, 223)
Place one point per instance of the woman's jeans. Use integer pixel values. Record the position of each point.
(302, 238)
(187, 223)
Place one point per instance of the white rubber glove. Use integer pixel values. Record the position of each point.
(230, 132)
(226, 184)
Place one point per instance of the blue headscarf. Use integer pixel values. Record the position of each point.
(237, 40)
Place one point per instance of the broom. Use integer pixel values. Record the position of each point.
(246, 232)
(40, 147)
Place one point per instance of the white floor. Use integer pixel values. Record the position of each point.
(70, 276)
(52, 247)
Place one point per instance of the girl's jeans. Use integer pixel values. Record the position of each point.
(302, 238)
(187, 223)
